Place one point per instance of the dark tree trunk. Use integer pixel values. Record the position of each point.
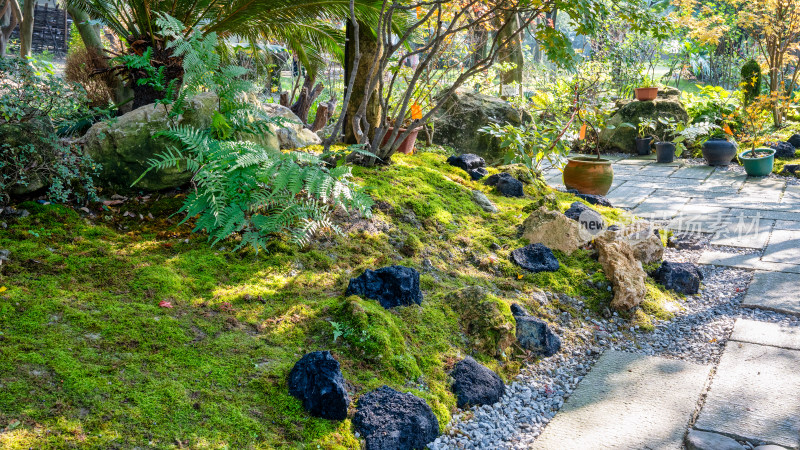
(306, 98)
(324, 113)
(369, 47)
(8, 21)
(173, 70)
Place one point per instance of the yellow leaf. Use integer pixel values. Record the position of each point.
(583, 131)
(416, 112)
(3, 289)
(519, 277)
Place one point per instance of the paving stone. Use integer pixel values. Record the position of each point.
(658, 170)
(750, 232)
(776, 291)
(750, 261)
(767, 211)
(703, 440)
(766, 333)
(697, 217)
(694, 172)
(753, 395)
(628, 196)
(637, 161)
(783, 247)
(657, 207)
(787, 225)
(628, 401)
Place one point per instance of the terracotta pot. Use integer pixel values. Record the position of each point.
(645, 94)
(588, 175)
(407, 146)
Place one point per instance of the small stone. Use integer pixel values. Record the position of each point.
(685, 241)
(679, 277)
(317, 381)
(783, 150)
(790, 169)
(534, 334)
(389, 419)
(702, 440)
(483, 201)
(477, 174)
(391, 286)
(467, 161)
(506, 184)
(475, 384)
(5, 256)
(535, 258)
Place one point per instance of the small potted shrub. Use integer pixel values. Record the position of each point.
(670, 142)
(407, 146)
(644, 138)
(719, 149)
(757, 161)
(648, 91)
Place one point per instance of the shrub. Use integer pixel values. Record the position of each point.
(79, 67)
(751, 80)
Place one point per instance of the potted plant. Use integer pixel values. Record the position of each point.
(670, 142)
(757, 161)
(407, 146)
(644, 139)
(648, 91)
(719, 148)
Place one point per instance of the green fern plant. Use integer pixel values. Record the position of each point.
(241, 189)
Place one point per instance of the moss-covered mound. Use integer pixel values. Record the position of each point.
(121, 329)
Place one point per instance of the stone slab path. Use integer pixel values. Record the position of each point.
(754, 394)
(628, 401)
(635, 401)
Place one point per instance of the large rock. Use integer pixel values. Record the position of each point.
(485, 320)
(467, 161)
(506, 184)
(391, 286)
(475, 384)
(621, 138)
(645, 243)
(590, 221)
(464, 113)
(783, 150)
(795, 141)
(535, 258)
(392, 420)
(680, 277)
(317, 381)
(124, 146)
(534, 334)
(552, 229)
(623, 270)
(33, 143)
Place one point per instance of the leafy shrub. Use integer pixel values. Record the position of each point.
(711, 103)
(243, 188)
(751, 80)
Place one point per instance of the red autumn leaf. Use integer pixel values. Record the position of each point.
(165, 304)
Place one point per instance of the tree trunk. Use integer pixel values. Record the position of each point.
(26, 28)
(369, 48)
(306, 98)
(324, 113)
(511, 52)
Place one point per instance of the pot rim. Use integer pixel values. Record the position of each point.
(590, 160)
(718, 140)
(403, 129)
(763, 149)
(647, 87)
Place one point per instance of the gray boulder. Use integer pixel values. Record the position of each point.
(483, 201)
(621, 138)
(535, 258)
(702, 440)
(464, 113)
(534, 334)
(475, 384)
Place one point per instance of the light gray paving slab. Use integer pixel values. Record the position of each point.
(628, 196)
(658, 170)
(628, 401)
(751, 261)
(767, 211)
(787, 225)
(657, 207)
(700, 218)
(783, 247)
(791, 195)
(637, 161)
(753, 395)
(694, 172)
(741, 231)
(775, 291)
(766, 333)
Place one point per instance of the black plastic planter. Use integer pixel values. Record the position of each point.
(665, 152)
(643, 145)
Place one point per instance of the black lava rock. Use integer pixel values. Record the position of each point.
(589, 219)
(477, 174)
(318, 382)
(679, 277)
(795, 141)
(534, 334)
(467, 161)
(506, 184)
(791, 169)
(475, 384)
(535, 258)
(783, 149)
(591, 198)
(391, 286)
(392, 420)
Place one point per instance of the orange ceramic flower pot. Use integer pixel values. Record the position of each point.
(646, 93)
(588, 175)
(407, 146)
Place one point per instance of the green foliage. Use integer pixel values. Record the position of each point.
(712, 103)
(242, 188)
(751, 80)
